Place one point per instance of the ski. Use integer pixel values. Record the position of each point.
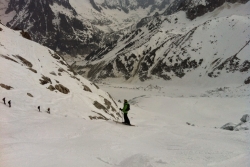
(123, 123)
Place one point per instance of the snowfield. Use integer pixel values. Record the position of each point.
(161, 136)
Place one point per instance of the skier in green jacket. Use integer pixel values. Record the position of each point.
(126, 108)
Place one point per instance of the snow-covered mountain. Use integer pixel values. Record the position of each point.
(174, 125)
(34, 75)
(76, 27)
(169, 47)
(128, 5)
(55, 24)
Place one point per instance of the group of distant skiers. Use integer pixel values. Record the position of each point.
(125, 109)
(48, 111)
(9, 102)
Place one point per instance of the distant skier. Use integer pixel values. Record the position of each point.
(4, 100)
(126, 108)
(38, 108)
(48, 111)
(9, 102)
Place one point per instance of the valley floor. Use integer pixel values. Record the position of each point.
(160, 138)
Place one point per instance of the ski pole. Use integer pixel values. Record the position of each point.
(121, 115)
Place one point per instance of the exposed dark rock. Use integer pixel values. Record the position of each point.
(159, 69)
(33, 70)
(247, 81)
(245, 118)
(107, 71)
(228, 126)
(62, 89)
(127, 5)
(51, 88)
(25, 35)
(41, 28)
(74, 77)
(99, 106)
(121, 68)
(8, 58)
(97, 117)
(245, 66)
(92, 2)
(95, 85)
(55, 56)
(29, 94)
(45, 80)
(24, 61)
(194, 9)
(72, 70)
(53, 73)
(94, 70)
(112, 99)
(60, 69)
(107, 103)
(62, 62)
(6, 86)
(86, 88)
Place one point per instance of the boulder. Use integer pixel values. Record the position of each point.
(53, 73)
(86, 88)
(247, 81)
(51, 88)
(245, 118)
(25, 35)
(229, 126)
(60, 69)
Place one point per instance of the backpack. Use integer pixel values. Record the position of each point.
(128, 108)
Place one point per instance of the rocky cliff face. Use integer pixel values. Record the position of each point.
(55, 24)
(59, 26)
(127, 5)
(196, 8)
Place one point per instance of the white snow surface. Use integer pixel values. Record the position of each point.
(17, 75)
(161, 136)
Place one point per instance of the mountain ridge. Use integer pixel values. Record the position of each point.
(141, 54)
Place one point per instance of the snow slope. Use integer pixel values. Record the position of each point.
(160, 138)
(24, 63)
